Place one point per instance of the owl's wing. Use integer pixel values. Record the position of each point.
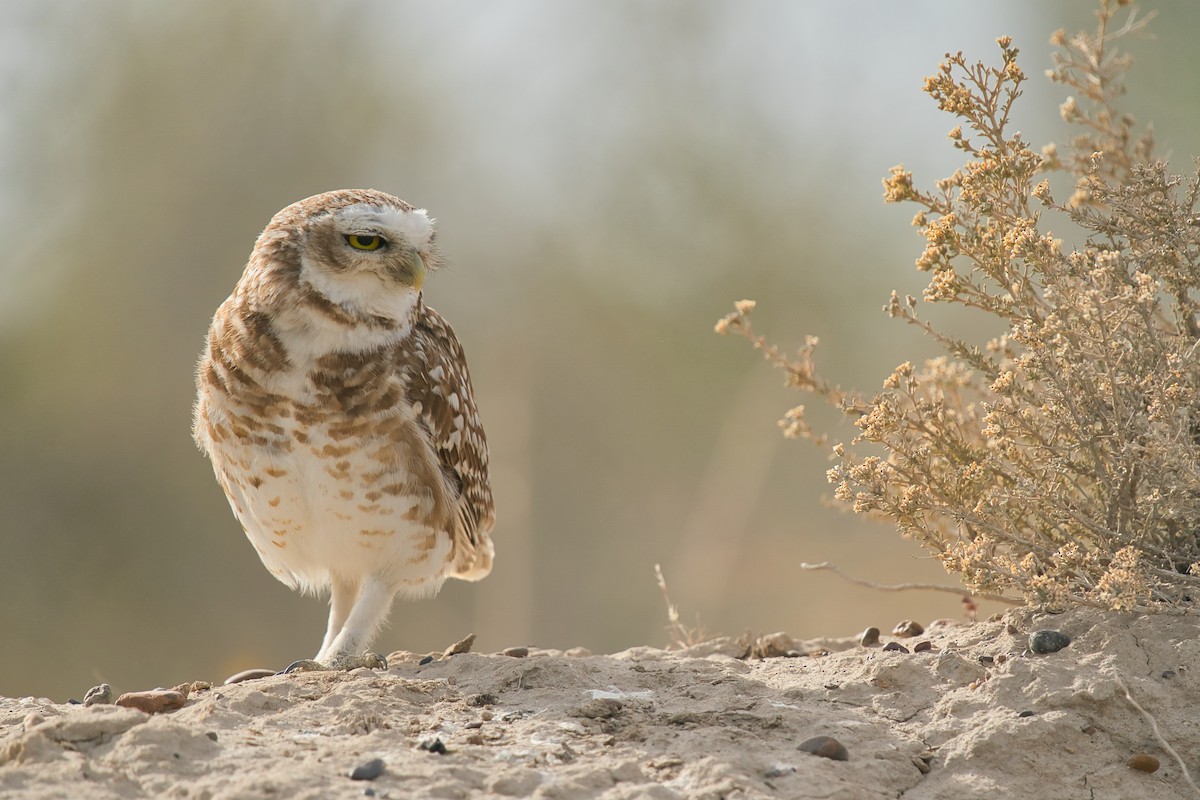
(441, 388)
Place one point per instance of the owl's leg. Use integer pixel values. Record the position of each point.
(343, 593)
(369, 611)
(346, 648)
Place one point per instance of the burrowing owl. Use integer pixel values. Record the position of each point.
(338, 413)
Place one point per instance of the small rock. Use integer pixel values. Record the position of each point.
(600, 708)
(481, 699)
(368, 771)
(515, 652)
(832, 686)
(434, 745)
(1026, 714)
(1048, 641)
(826, 747)
(922, 763)
(779, 771)
(212, 735)
(987, 661)
(577, 652)
(249, 675)
(155, 701)
(98, 695)
(462, 646)
(1168, 674)
(474, 726)
(425, 660)
(922, 647)
(1143, 762)
(895, 647)
(1000, 659)
(869, 637)
(773, 645)
(907, 629)
(1011, 630)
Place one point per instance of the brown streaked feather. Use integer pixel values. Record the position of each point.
(434, 369)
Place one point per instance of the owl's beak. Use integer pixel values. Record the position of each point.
(411, 271)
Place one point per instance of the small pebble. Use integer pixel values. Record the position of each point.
(1048, 641)
(482, 699)
(474, 726)
(249, 675)
(1011, 629)
(368, 771)
(1000, 659)
(826, 747)
(515, 652)
(434, 745)
(895, 647)
(486, 716)
(1143, 762)
(1026, 714)
(832, 686)
(152, 702)
(425, 660)
(869, 637)
(922, 647)
(908, 628)
(98, 695)
(462, 646)
(987, 661)
(1168, 674)
(212, 735)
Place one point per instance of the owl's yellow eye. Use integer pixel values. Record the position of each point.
(361, 242)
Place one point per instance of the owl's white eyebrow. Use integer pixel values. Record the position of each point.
(415, 226)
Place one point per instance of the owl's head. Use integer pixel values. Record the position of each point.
(361, 249)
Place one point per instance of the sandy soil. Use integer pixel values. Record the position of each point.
(699, 723)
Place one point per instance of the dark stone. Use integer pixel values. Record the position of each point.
(1048, 641)
(869, 637)
(368, 771)
(826, 747)
(895, 647)
(434, 745)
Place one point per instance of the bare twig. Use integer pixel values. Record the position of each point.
(904, 587)
(1158, 737)
(682, 634)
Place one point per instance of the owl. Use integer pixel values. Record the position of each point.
(337, 410)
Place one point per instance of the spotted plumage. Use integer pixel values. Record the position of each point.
(338, 413)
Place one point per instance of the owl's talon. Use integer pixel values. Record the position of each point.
(365, 659)
(342, 663)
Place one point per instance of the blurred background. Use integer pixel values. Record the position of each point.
(608, 178)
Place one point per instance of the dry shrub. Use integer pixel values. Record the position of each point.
(1061, 461)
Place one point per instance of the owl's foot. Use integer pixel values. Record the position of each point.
(341, 663)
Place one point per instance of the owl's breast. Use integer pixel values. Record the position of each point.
(337, 477)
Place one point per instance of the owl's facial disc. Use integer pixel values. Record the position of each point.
(391, 245)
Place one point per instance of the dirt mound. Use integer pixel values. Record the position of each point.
(975, 716)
